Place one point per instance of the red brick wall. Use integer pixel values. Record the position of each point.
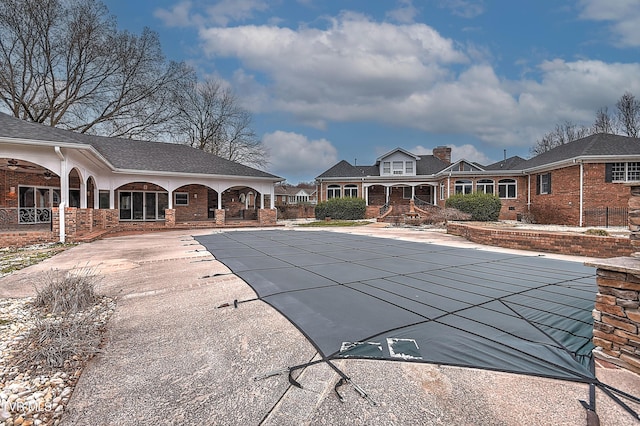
(562, 206)
(198, 208)
(26, 238)
(549, 242)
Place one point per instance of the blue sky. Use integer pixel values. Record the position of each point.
(352, 79)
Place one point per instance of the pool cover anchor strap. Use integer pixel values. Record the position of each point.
(611, 391)
(235, 303)
(346, 379)
(343, 379)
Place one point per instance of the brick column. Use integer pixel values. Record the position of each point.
(267, 217)
(219, 215)
(169, 218)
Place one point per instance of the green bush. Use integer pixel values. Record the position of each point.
(482, 207)
(341, 208)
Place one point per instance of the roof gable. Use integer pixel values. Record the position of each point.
(463, 166)
(403, 152)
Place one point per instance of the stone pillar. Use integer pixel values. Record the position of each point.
(634, 216)
(616, 315)
(219, 215)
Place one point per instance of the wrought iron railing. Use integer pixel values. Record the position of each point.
(384, 209)
(34, 215)
(606, 216)
(422, 203)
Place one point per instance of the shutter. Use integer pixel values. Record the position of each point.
(538, 183)
(608, 172)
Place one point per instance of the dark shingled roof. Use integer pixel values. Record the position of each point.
(133, 154)
(426, 165)
(511, 163)
(600, 144)
(429, 164)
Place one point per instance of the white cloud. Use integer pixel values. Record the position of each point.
(624, 16)
(463, 152)
(177, 16)
(405, 13)
(464, 8)
(226, 11)
(359, 70)
(222, 12)
(295, 156)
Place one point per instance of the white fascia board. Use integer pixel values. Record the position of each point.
(583, 159)
(66, 145)
(197, 175)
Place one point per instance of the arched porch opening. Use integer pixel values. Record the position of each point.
(141, 201)
(242, 203)
(92, 188)
(195, 202)
(28, 192)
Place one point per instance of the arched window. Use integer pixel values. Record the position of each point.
(333, 191)
(351, 191)
(507, 188)
(463, 186)
(485, 186)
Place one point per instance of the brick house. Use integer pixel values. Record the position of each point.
(581, 183)
(103, 183)
(287, 195)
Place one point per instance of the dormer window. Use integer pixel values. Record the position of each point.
(398, 167)
(408, 167)
(386, 168)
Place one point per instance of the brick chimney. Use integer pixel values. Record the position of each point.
(443, 153)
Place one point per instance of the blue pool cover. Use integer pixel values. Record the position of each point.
(358, 296)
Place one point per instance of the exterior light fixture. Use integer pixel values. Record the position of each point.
(47, 175)
(12, 165)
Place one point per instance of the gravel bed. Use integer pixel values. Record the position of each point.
(33, 395)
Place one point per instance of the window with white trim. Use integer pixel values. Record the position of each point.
(442, 190)
(544, 181)
(507, 188)
(386, 167)
(485, 186)
(408, 167)
(181, 198)
(333, 191)
(398, 167)
(623, 172)
(351, 191)
(463, 186)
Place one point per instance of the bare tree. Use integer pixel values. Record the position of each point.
(211, 118)
(628, 114)
(604, 123)
(65, 64)
(562, 134)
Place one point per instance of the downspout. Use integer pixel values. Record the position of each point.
(529, 193)
(64, 191)
(581, 190)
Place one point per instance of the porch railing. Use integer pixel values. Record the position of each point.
(422, 203)
(34, 215)
(384, 209)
